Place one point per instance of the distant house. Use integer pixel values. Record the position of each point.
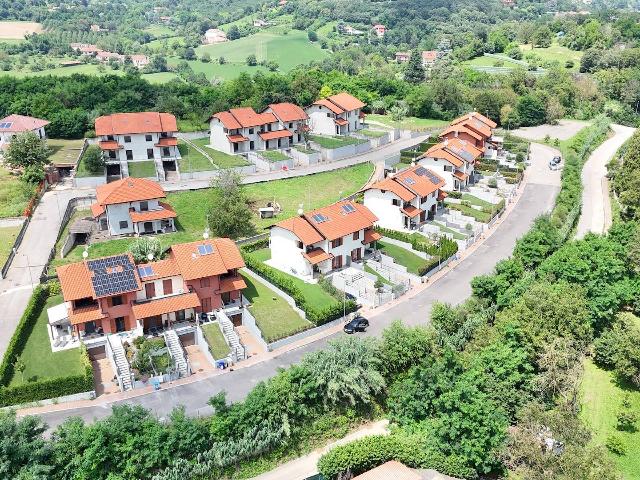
(453, 160)
(336, 115)
(406, 199)
(282, 3)
(14, 124)
(214, 35)
(403, 57)
(165, 19)
(379, 30)
(240, 130)
(139, 60)
(429, 57)
(137, 137)
(104, 56)
(85, 48)
(133, 206)
(260, 23)
(98, 28)
(322, 240)
(474, 127)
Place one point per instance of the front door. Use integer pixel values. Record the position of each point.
(148, 227)
(120, 327)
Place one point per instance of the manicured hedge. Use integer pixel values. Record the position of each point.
(367, 453)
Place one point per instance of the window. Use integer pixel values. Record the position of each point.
(355, 255)
(112, 154)
(328, 115)
(167, 287)
(166, 152)
(127, 139)
(206, 304)
(448, 168)
(251, 130)
(144, 206)
(299, 137)
(336, 243)
(110, 137)
(356, 235)
(180, 316)
(129, 154)
(124, 224)
(252, 145)
(148, 138)
(290, 124)
(336, 262)
(120, 324)
(117, 300)
(150, 289)
(395, 202)
(149, 153)
(299, 245)
(205, 282)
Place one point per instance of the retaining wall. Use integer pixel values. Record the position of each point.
(333, 154)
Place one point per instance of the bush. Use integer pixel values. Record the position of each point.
(93, 160)
(444, 249)
(615, 445)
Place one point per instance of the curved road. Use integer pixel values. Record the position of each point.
(537, 198)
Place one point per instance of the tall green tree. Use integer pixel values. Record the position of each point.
(27, 150)
(229, 213)
(414, 71)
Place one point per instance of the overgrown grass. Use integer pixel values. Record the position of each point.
(64, 151)
(215, 339)
(402, 256)
(142, 169)
(443, 228)
(8, 235)
(408, 123)
(14, 195)
(274, 156)
(372, 133)
(192, 160)
(478, 215)
(334, 142)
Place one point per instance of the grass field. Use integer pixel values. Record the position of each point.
(402, 256)
(483, 61)
(409, 123)
(274, 155)
(7, 237)
(159, 30)
(274, 316)
(370, 270)
(478, 215)
(555, 53)
(17, 30)
(372, 133)
(14, 195)
(215, 339)
(334, 142)
(601, 401)
(192, 160)
(87, 69)
(64, 151)
(443, 228)
(476, 201)
(221, 159)
(142, 169)
(41, 363)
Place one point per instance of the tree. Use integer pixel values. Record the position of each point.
(252, 60)
(414, 71)
(205, 57)
(233, 33)
(23, 451)
(229, 213)
(27, 150)
(531, 110)
(158, 63)
(403, 347)
(312, 36)
(93, 160)
(542, 37)
(146, 249)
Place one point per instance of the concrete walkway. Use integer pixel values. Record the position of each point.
(596, 207)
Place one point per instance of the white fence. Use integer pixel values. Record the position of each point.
(305, 159)
(89, 182)
(266, 165)
(333, 154)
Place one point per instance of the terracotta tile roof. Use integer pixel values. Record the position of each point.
(389, 184)
(160, 269)
(194, 264)
(167, 142)
(462, 149)
(371, 236)
(288, 112)
(169, 304)
(75, 281)
(438, 151)
(21, 123)
(317, 255)
(474, 123)
(86, 314)
(128, 189)
(331, 106)
(232, 284)
(486, 120)
(166, 211)
(301, 229)
(237, 138)
(275, 134)
(429, 55)
(341, 121)
(390, 470)
(132, 123)
(442, 195)
(411, 211)
(109, 145)
(97, 209)
(338, 222)
(247, 117)
(228, 120)
(460, 176)
(422, 184)
(346, 101)
(453, 129)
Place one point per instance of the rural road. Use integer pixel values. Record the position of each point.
(537, 197)
(596, 207)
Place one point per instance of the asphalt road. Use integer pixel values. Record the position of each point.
(537, 198)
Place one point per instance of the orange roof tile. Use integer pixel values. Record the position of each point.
(438, 151)
(128, 189)
(75, 281)
(459, 175)
(317, 255)
(21, 123)
(389, 184)
(346, 101)
(247, 117)
(301, 229)
(228, 120)
(232, 284)
(237, 138)
(462, 149)
(97, 209)
(141, 122)
(420, 184)
(442, 195)
(411, 211)
(341, 121)
(109, 145)
(288, 112)
(167, 142)
(330, 105)
(86, 314)
(486, 120)
(453, 129)
(275, 134)
(193, 264)
(338, 222)
(429, 55)
(160, 269)
(166, 211)
(173, 303)
(371, 236)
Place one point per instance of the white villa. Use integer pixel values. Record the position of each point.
(453, 160)
(405, 200)
(15, 124)
(242, 130)
(133, 206)
(322, 240)
(335, 115)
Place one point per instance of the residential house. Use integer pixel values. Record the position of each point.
(113, 294)
(138, 137)
(429, 57)
(139, 61)
(336, 115)
(483, 126)
(260, 23)
(403, 57)
(241, 130)
(322, 240)
(85, 48)
(104, 56)
(379, 30)
(133, 206)
(214, 35)
(396, 471)
(14, 124)
(406, 199)
(453, 160)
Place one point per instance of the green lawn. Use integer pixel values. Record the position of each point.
(443, 228)
(160, 30)
(476, 201)
(160, 77)
(483, 61)
(402, 256)
(313, 293)
(478, 215)
(372, 133)
(215, 339)
(370, 270)
(601, 401)
(408, 123)
(14, 195)
(274, 316)
(192, 160)
(142, 169)
(82, 171)
(64, 151)
(7, 237)
(41, 363)
(555, 53)
(274, 155)
(221, 159)
(334, 142)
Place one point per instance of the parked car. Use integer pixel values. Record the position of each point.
(553, 166)
(358, 324)
(557, 159)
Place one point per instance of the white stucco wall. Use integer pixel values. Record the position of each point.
(120, 212)
(176, 281)
(218, 138)
(321, 120)
(139, 145)
(285, 253)
(437, 166)
(389, 215)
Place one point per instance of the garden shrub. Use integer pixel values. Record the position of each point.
(445, 247)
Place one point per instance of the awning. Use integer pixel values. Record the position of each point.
(460, 176)
(110, 145)
(237, 138)
(275, 134)
(317, 255)
(371, 236)
(411, 211)
(341, 121)
(173, 303)
(58, 315)
(166, 211)
(232, 284)
(442, 195)
(361, 114)
(167, 142)
(86, 314)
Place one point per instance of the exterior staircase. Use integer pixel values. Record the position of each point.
(176, 351)
(124, 169)
(238, 351)
(160, 169)
(119, 358)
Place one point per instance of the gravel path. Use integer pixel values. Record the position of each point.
(563, 130)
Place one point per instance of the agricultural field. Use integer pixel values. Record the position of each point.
(554, 53)
(17, 30)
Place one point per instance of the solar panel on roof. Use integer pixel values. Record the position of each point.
(348, 208)
(205, 249)
(409, 181)
(6, 124)
(320, 218)
(112, 275)
(461, 153)
(145, 271)
(421, 171)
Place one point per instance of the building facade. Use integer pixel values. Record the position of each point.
(14, 124)
(453, 160)
(336, 115)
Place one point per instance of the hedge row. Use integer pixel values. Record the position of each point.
(445, 247)
(287, 285)
(367, 453)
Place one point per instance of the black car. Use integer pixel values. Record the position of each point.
(358, 324)
(557, 159)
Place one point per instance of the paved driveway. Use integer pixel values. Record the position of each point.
(537, 198)
(563, 130)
